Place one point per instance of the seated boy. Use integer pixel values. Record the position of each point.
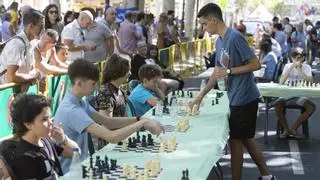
(294, 72)
(33, 152)
(79, 118)
(145, 95)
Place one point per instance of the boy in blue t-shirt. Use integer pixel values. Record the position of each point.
(145, 95)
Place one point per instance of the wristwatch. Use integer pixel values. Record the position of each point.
(229, 71)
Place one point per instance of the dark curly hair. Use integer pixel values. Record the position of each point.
(45, 12)
(25, 108)
(115, 68)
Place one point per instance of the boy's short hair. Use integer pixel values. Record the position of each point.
(25, 108)
(210, 9)
(81, 68)
(115, 68)
(32, 16)
(149, 71)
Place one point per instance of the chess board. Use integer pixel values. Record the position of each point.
(118, 174)
(140, 149)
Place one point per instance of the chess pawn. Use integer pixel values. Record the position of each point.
(140, 176)
(158, 167)
(313, 85)
(153, 168)
(126, 170)
(318, 85)
(132, 172)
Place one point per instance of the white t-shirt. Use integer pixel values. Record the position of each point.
(14, 54)
(74, 32)
(294, 74)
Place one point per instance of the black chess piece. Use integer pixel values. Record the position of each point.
(191, 95)
(138, 138)
(106, 159)
(97, 161)
(187, 174)
(153, 111)
(183, 175)
(120, 143)
(150, 140)
(94, 172)
(182, 93)
(188, 93)
(134, 142)
(217, 94)
(100, 173)
(178, 93)
(144, 141)
(91, 162)
(165, 102)
(173, 93)
(84, 172)
(113, 164)
(212, 102)
(292, 83)
(107, 168)
(130, 142)
(217, 101)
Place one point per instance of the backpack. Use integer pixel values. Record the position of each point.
(3, 44)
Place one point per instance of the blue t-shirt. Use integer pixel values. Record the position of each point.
(75, 118)
(233, 51)
(271, 62)
(139, 97)
(301, 37)
(281, 37)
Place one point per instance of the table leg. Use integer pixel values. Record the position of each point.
(266, 120)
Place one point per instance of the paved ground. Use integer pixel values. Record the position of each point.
(287, 159)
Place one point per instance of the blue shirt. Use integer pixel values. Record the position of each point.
(281, 37)
(139, 97)
(233, 51)
(75, 118)
(271, 62)
(301, 37)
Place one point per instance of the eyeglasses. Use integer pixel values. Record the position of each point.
(52, 12)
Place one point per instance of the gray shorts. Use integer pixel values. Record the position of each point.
(293, 101)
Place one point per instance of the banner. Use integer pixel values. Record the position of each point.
(57, 88)
(6, 98)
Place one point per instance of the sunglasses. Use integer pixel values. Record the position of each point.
(81, 33)
(53, 12)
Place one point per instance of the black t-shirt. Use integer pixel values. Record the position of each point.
(29, 161)
(136, 62)
(313, 32)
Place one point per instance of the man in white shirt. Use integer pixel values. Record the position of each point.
(73, 35)
(16, 60)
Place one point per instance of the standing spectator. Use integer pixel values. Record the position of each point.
(150, 21)
(315, 39)
(68, 18)
(281, 38)
(129, 35)
(73, 35)
(173, 31)
(163, 32)
(275, 20)
(16, 57)
(141, 26)
(298, 38)
(269, 58)
(99, 35)
(235, 62)
(53, 18)
(6, 33)
(295, 71)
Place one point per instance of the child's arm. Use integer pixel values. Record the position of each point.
(160, 94)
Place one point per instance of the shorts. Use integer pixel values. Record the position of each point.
(295, 101)
(242, 120)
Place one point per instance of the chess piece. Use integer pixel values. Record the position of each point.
(187, 174)
(212, 102)
(126, 170)
(173, 93)
(183, 175)
(140, 176)
(138, 138)
(132, 172)
(90, 174)
(130, 142)
(217, 101)
(158, 167)
(191, 95)
(84, 172)
(150, 140)
(144, 141)
(153, 111)
(113, 164)
(153, 168)
(91, 162)
(182, 94)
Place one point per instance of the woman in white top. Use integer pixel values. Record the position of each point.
(293, 73)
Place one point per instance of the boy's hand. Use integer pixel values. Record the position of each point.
(153, 127)
(58, 134)
(220, 71)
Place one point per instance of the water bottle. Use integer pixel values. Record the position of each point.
(221, 83)
(173, 109)
(203, 84)
(159, 109)
(75, 166)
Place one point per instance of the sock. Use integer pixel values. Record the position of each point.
(268, 177)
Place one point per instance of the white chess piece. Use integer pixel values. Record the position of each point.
(126, 170)
(132, 172)
(90, 176)
(318, 85)
(140, 176)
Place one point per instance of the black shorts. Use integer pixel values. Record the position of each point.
(242, 121)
